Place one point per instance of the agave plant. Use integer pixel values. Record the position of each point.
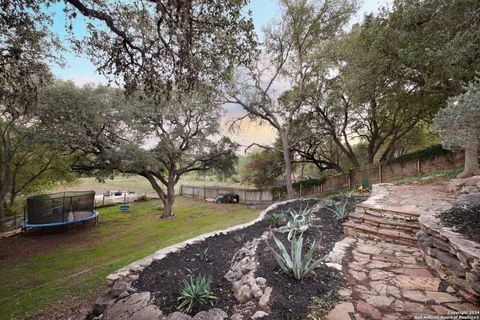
(195, 291)
(340, 210)
(276, 219)
(298, 222)
(292, 262)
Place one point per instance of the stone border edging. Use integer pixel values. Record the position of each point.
(139, 265)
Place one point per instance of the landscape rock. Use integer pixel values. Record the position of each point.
(243, 294)
(265, 299)
(471, 200)
(256, 291)
(118, 288)
(259, 314)
(236, 316)
(137, 306)
(213, 314)
(261, 282)
(103, 303)
(178, 316)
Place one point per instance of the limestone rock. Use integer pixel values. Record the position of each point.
(259, 314)
(178, 316)
(265, 299)
(135, 307)
(103, 303)
(256, 291)
(261, 282)
(471, 200)
(243, 294)
(213, 314)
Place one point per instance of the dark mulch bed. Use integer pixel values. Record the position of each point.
(464, 220)
(291, 298)
(164, 278)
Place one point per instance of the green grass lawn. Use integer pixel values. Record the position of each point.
(76, 271)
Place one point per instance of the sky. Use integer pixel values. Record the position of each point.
(79, 69)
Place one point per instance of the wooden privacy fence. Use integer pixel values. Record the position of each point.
(375, 173)
(246, 195)
(385, 172)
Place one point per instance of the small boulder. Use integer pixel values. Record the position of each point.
(178, 316)
(261, 282)
(256, 291)
(259, 314)
(213, 314)
(244, 294)
(102, 303)
(265, 299)
(471, 200)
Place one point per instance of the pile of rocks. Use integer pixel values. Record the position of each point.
(466, 190)
(456, 259)
(251, 292)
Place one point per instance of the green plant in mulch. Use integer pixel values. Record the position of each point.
(276, 219)
(195, 292)
(292, 262)
(298, 222)
(320, 306)
(340, 209)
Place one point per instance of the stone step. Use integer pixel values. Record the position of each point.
(381, 212)
(371, 232)
(402, 212)
(360, 217)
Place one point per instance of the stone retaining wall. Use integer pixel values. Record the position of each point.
(456, 259)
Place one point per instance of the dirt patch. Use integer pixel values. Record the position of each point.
(212, 257)
(20, 247)
(463, 220)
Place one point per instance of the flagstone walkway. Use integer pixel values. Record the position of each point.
(391, 281)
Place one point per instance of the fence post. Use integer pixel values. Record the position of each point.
(419, 166)
(321, 188)
(350, 178)
(380, 176)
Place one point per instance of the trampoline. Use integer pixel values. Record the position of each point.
(57, 209)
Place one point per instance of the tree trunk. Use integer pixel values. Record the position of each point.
(168, 203)
(288, 166)
(471, 159)
(2, 209)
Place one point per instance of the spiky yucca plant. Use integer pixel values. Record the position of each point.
(195, 291)
(298, 222)
(340, 210)
(292, 262)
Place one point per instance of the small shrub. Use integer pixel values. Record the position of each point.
(195, 292)
(240, 237)
(366, 186)
(203, 255)
(292, 262)
(276, 219)
(143, 198)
